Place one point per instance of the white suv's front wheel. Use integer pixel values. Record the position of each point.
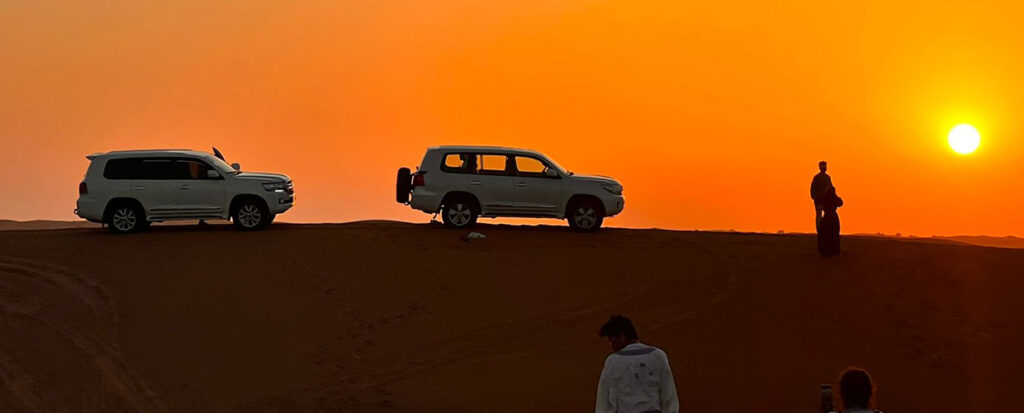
(251, 215)
(585, 215)
(458, 213)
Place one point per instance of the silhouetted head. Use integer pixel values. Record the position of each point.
(823, 166)
(620, 332)
(855, 388)
(830, 191)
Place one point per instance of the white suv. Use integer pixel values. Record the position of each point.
(129, 189)
(466, 182)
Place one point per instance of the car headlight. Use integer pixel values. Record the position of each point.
(275, 186)
(613, 188)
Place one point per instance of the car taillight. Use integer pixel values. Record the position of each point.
(83, 188)
(417, 180)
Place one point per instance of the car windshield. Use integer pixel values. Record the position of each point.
(557, 167)
(221, 165)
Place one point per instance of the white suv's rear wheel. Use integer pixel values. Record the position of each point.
(251, 215)
(126, 218)
(585, 215)
(458, 213)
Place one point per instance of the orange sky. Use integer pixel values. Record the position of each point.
(712, 115)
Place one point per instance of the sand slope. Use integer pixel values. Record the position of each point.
(9, 225)
(985, 241)
(409, 318)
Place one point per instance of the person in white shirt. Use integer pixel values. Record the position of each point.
(856, 391)
(636, 377)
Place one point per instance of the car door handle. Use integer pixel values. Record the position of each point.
(138, 187)
(184, 187)
(474, 182)
(521, 185)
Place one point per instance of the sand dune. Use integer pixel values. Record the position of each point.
(980, 240)
(986, 241)
(9, 225)
(410, 318)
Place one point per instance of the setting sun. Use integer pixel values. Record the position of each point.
(964, 139)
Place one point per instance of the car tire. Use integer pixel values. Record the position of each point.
(403, 185)
(251, 214)
(585, 215)
(127, 217)
(459, 212)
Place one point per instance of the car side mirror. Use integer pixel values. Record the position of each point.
(212, 174)
(236, 166)
(550, 173)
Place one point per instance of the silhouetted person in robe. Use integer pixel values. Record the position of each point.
(828, 227)
(819, 184)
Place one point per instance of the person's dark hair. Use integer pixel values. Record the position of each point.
(822, 163)
(856, 388)
(618, 324)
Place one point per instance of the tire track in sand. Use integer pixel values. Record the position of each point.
(19, 383)
(87, 289)
(463, 347)
(118, 377)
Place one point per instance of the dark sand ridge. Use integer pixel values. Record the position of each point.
(980, 240)
(409, 318)
(9, 225)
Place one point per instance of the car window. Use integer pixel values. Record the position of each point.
(457, 163)
(527, 166)
(492, 165)
(122, 168)
(196, 169)
(157, 169)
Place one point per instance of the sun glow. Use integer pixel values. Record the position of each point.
(964, 139)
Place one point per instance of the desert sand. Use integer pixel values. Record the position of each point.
(395, 317)
(9, 225)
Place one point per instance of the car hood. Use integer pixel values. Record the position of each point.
(594, 178)
(263, 176)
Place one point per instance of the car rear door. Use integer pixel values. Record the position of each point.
(493, 183)
(155, 185)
